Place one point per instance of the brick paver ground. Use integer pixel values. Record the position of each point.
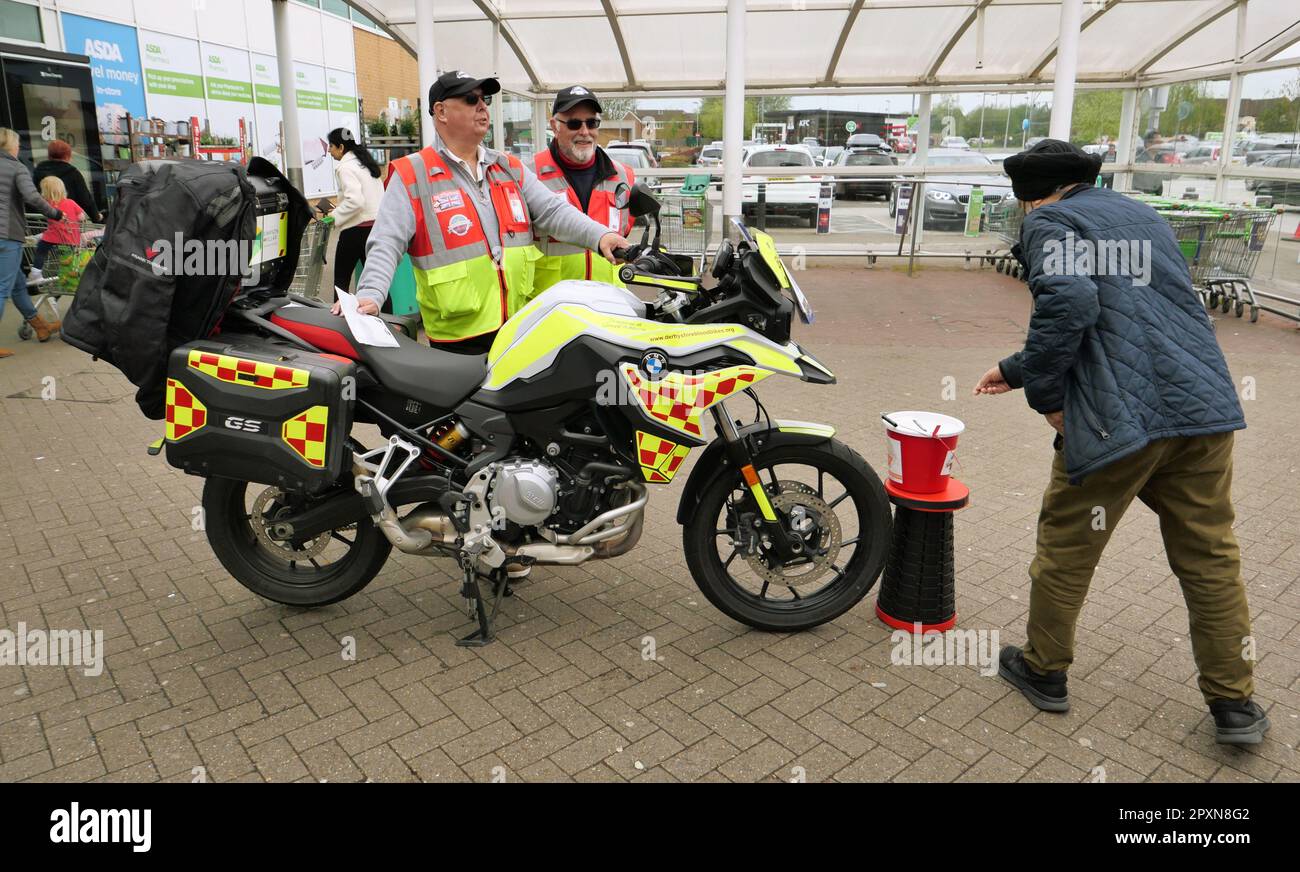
(201, 673)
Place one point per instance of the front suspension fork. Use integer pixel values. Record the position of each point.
(738, 452)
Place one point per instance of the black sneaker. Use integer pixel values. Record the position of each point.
(1238, 722)
(1047, 692)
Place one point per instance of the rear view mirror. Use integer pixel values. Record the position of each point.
(639, 201)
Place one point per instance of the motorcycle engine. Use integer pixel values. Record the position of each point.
(525, 491)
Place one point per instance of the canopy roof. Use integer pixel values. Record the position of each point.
(644, 46)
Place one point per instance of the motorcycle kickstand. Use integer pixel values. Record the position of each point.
(470, 589)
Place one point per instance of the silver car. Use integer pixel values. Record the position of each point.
(945, 200)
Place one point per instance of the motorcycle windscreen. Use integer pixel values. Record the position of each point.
(766, 246)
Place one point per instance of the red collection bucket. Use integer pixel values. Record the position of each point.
(921, 446)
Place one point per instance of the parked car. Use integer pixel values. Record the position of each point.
(1204, 153)
(1281, 191)
(847, 189)
(945, 201)
(1263, 149)
(637, 159)
(796, 194)
(954, 142)
(867, 140)
(902, 144)
(641, 145)
(711, 156)
(998, 157)
(832, 154)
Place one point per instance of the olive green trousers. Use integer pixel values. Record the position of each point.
(1187, 482)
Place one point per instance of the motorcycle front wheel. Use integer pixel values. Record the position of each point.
(829, 497)
(239, 517)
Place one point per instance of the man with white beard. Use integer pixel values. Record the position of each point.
(578, 168)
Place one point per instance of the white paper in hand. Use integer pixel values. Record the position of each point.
(367, 329)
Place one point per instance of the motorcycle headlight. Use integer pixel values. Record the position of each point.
(938, 196)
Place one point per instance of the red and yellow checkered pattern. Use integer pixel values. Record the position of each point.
(658, 457)
(305, 434)
(677, 400)
(185, 413)
(256, 373)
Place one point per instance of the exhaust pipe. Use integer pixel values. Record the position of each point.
(409, 542)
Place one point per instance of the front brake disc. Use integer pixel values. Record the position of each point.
(815, 522)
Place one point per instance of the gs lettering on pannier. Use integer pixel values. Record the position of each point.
(259, 412)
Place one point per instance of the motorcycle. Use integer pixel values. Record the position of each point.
(542, 451)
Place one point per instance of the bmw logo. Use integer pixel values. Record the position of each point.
(653, 364)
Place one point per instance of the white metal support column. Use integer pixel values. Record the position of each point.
(1067, 67)
(733, 116)
(922, 158)
(1124, 151)
(292, 143)
(1233, 112)
(499, 106)
(427, 64)
(541, 124)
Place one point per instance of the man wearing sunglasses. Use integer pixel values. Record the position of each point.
(466, 215)
(579, 169)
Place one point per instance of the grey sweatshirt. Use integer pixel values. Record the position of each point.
(552, 215)
(17, 190)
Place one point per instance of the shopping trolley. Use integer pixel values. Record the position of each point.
(1004, 220)
(59, 273)
(1238, 242)
(685, 221)
(1196, 231)
(311, 257)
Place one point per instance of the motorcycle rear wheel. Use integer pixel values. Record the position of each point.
(318, 572)
(812, 477)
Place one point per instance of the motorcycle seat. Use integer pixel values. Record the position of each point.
(431, 375)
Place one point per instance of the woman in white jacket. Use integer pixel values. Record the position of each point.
(359, 193)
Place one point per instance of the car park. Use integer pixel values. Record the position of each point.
(1281, 192)
(867, 140)
(852, 189)
(796, 194)
(946, 199)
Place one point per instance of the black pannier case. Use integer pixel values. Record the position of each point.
(259, 412)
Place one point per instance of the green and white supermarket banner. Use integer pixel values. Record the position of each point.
(313, 127)
(229, 90)
(341, 100)
(173, 76)
(266, 109)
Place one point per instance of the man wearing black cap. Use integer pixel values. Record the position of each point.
(1122, 361)
(579, 169)
(466, 215)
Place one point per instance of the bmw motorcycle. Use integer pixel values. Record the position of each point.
(544, 451)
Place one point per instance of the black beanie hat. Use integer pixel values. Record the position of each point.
(1048, 165)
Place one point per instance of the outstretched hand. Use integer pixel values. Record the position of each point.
(992, 383)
